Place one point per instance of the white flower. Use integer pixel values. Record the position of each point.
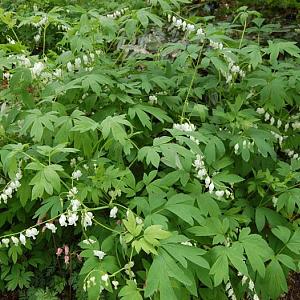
(77, 63)
(73, 162)
(113, 212)
(229, 78)
(242, 73)
(70, 67)
(279, 123)
(85, 59)
(11, 41)
(186, 127)
(37, 38)
(272, 120)
(244, 144)
(152, 99)
(5, 242)
(8, 192)
(58, 73)
(138, 221)
(187, 243)
(244, 279)
(31, 233)
(72, 192)
(211, 187)
(62, 220)
(255, 297)
(100, 254)
(267, 116)
(178, 23)
(51, 227)
(72, 219)
(235, 69)
(198, 162)
(236, 148)
(274, 201)
(200, 32)
(251, 285)
(75, 204)
(92, 56)
(22, 239)
(15, 240)
(76, 174)
(201, 173)
(207, 181)
(6, 75)
(230, 292)
(219, 194)
(89, 241)
(87, 219)
(190, 27)
(228, 286)
(105, 278)
(37, 69)
(115, 283)
(4, 198)
(286, 127)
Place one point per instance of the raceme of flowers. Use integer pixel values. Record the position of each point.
(11, 187)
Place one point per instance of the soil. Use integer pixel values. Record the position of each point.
(294, 288)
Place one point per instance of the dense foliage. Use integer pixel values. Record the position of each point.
(147, 153)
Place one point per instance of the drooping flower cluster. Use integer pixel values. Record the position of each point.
(244, 145)
(28, 233)
(234, 70)
(216, 45)
(230, 292)
(181, 24)
(85, 62)
(117, 13)
(71, 217)
(39, 25)
(202, 174)
(128, 268)
(11, 187)
(114, 194)
(251, 286)
(268, 118)
(37, 69)
(187, 127)
(152, 99)
(292, 154)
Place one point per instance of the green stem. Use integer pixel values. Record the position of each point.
(13, 31)
(185, 104)
(44, 39)
(243, 33)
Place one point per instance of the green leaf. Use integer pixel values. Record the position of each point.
(183, 206)
(294, 242)
(275, 279)
(220, 269)
(158, 280)
(184, 253)
(257, 250)
(281, 232)
(154, 233)
(130, 291)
